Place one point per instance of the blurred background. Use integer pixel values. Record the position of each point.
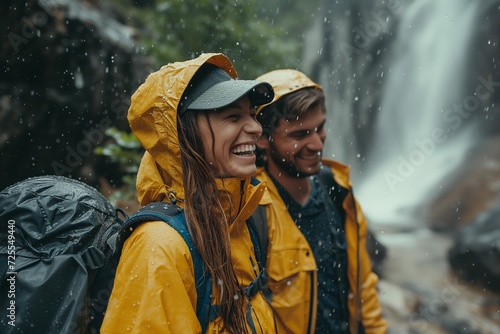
(413, 94)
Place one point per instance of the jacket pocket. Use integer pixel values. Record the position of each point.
(285, 263)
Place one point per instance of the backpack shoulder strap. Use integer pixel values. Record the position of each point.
(336, 192)
(260, 226)
(326, 177)
(174, 216)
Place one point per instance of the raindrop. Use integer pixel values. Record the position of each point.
(79, 82)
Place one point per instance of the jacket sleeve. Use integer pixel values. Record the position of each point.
(371, 310)
(154, 289)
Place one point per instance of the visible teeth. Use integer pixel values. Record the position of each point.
(243, 149)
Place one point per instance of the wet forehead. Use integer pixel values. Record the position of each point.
(310, 120)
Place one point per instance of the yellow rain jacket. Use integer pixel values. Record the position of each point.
(291, 266)
(292, 269)
(154, 289)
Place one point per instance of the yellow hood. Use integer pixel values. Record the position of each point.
(284, 82)
(153, 119)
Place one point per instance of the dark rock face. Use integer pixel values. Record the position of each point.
(377, 252)
(68, 69)
(472, 188)
(475, 256)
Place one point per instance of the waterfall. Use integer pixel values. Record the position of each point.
(425, 77)
(413, 147)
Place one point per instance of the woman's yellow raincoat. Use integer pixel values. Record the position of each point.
(154, 289)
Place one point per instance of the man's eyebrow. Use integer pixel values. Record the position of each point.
(298, 131)
(322, 123)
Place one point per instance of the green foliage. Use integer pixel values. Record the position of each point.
(125, 150)
(257, 36)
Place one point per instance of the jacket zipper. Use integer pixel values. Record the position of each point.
(242, 193)
(311, 305)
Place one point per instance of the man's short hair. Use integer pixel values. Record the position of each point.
(290, 107)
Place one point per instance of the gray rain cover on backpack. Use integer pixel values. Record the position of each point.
(54, 235)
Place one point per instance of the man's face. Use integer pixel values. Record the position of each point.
(295, 146)
(230, 149)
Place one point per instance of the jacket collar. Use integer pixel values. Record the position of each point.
(240, 196)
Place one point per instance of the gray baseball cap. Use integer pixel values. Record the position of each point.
(212, 88)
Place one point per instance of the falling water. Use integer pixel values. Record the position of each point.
(413, 149)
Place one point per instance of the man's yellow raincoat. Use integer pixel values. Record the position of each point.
(154, 289)
(292, 269)
(291, 265)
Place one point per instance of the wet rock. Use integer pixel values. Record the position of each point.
(475, 255)
(68, 69)
(397, 301)
(377, 252)
(466, 192)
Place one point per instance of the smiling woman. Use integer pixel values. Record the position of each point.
(237, 132)
(197, 124)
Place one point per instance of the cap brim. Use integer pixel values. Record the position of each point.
(224, 93)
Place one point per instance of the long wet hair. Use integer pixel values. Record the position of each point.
(207, 222)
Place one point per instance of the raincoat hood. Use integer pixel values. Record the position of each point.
(284, 82)
(153, 119)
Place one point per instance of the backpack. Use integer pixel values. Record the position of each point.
(60, 242)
